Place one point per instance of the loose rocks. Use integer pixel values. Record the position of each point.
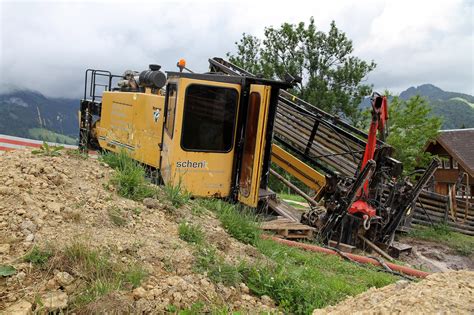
(64, 278)
(54, 301)
(20, 308)
(439, 293)
(151, 203)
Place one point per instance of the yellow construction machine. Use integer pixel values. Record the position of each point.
(211, 133)
(217, 133)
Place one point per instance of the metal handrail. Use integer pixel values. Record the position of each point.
(91, 84)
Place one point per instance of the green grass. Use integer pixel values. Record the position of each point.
(460, 243)
(291, 197)
(301, 281)
(129, 176)
(94, 290)
(297, 198)
(48, 150)
(100, 274)
(76, 153)
(176, 194)
(298, 281)
(37, 256)
(117, 161)
(197, 209)
(190, 233)
(194, 309)
(207, 261)
(238, 221)
(48, 135)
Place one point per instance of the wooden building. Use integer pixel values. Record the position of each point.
(456, 150)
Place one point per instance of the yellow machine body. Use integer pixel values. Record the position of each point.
(294, 166)
(134, 122)
(155, 130)
(191, 135)
(200, 171)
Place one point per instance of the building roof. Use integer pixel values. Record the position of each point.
(460, 145)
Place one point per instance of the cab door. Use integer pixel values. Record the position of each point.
(254, 144)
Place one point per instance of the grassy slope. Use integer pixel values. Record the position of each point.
(50, 136)
(303, 281)
(460, 243)
(297, 280)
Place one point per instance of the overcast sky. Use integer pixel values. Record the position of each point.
(46, 46)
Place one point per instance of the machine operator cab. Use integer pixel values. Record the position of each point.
(210, 133)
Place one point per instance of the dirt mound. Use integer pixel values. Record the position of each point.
(436, 257)
(56, 202)
(439, 293)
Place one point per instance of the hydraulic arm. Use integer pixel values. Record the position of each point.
(378, 123)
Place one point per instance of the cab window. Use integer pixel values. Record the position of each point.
(209, 118)
(170, 105)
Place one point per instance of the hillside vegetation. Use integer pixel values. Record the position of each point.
(71, 242)
(456, 109)
(31, 114)
(50, 136)
(20, 112)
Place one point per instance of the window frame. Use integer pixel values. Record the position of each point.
(234, 121)
(447, 164)
(170, 132)
(455, 164)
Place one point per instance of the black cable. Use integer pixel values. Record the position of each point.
(386, 268)
(390, 270)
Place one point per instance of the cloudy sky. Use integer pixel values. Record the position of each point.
(46, 46)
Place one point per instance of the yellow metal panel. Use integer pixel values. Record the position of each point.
(204, 174)
(251, 199)
(132, 121)
(302, 171)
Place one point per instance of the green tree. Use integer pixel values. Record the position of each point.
(411, 127)
(331, 76)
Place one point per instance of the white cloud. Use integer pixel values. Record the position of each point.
(47, 46)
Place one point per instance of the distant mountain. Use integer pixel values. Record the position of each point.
(33, 115)
(456, 109)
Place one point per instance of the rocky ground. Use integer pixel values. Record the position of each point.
(54, 202)
(440, 293)
(65, 204)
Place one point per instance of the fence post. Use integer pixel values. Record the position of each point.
(447, 208)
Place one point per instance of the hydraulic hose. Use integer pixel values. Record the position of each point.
(358, 258)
